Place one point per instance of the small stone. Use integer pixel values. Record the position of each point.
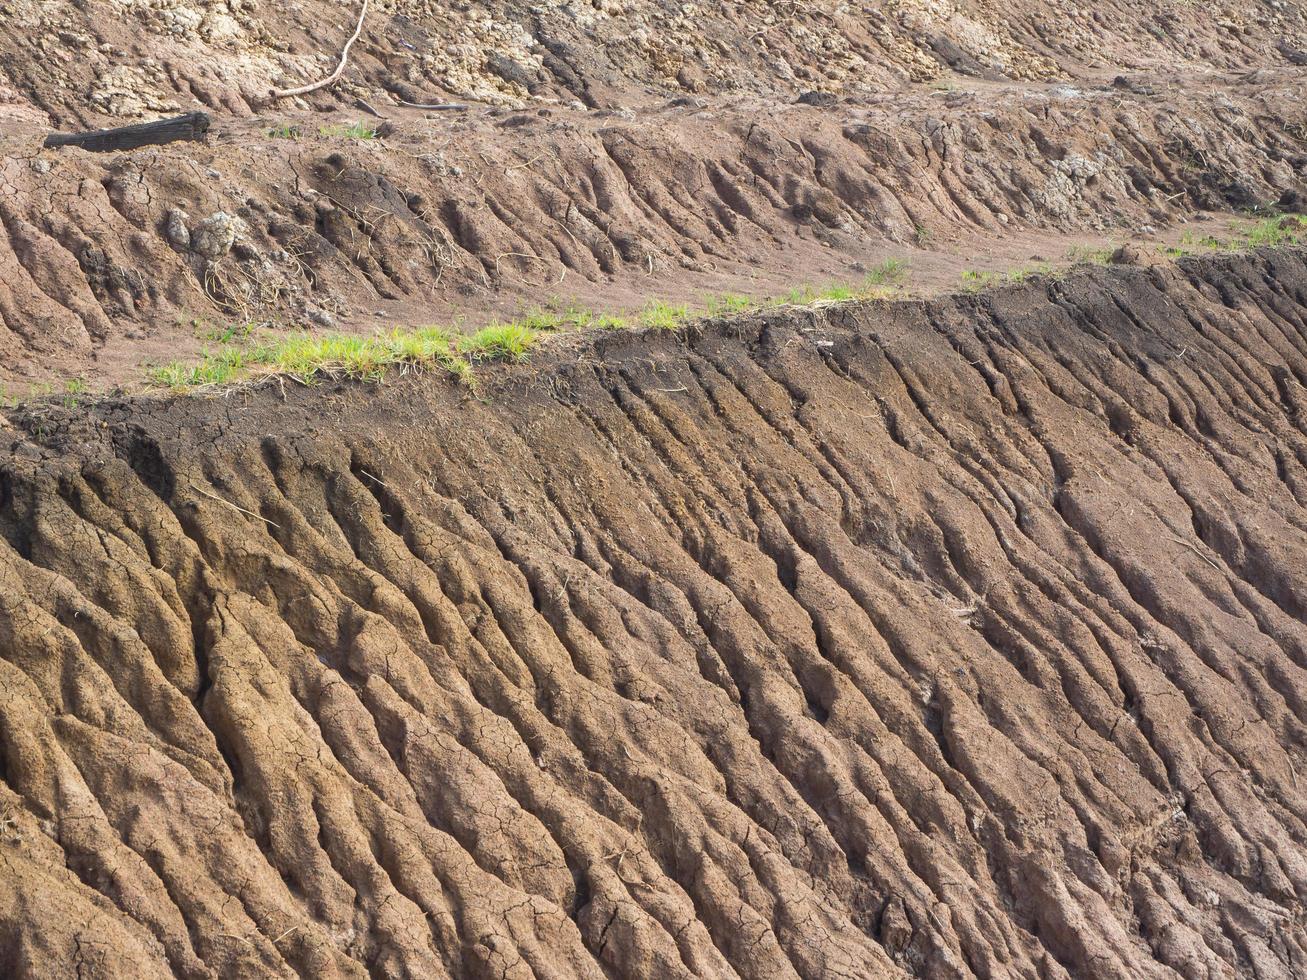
(508, 69)
(215, 235)
(175, 229)
(321, 317)
(1132, 254)
(817, 98)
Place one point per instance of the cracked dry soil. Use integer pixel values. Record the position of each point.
(954, 638)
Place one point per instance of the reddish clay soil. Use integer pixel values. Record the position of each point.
(948, 638)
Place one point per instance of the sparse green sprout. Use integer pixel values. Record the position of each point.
(208, 371)
(358, 131)
(806, 295)
(73, 388)
(309, 356)
(663, 316)
(1282, 230)
(284, 131)
(1277, 230)
(891, 272)
(306, 356)
(1089, 255)
(726, 303)
(836, 294)
(975, 280)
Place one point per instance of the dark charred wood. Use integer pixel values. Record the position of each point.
(191, 126)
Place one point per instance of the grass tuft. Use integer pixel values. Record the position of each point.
(663, 316)
(891, 272)
(305, 356)
(499, 341)
(357, 131)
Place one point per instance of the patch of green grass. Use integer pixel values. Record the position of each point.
(358, 131)
(727, 303)
(227, 334)
(499, 341)
(663, 316)
(553, 318)
(1286, 229)
(807, 295)
(1271, 232)
(975, 280)
(306, 355)
(74, 388)
(213, 368)
(891, 272)
(284, 131)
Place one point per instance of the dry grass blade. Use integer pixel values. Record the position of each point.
(214, 496)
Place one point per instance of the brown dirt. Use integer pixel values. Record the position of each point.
(950, 638)
(959, 636)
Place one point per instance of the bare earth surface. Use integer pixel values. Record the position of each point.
(959, 636)
(954, 638)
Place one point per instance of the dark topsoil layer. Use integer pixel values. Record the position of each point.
(966, 637)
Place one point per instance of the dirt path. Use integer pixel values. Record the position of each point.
(809, 644)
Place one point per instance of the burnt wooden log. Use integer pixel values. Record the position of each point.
(191, 126)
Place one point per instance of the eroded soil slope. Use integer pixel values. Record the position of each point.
(952, 638)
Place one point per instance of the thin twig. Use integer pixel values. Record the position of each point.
(519, 166)
(214, 496)
(1196, 551)
(287, 93)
